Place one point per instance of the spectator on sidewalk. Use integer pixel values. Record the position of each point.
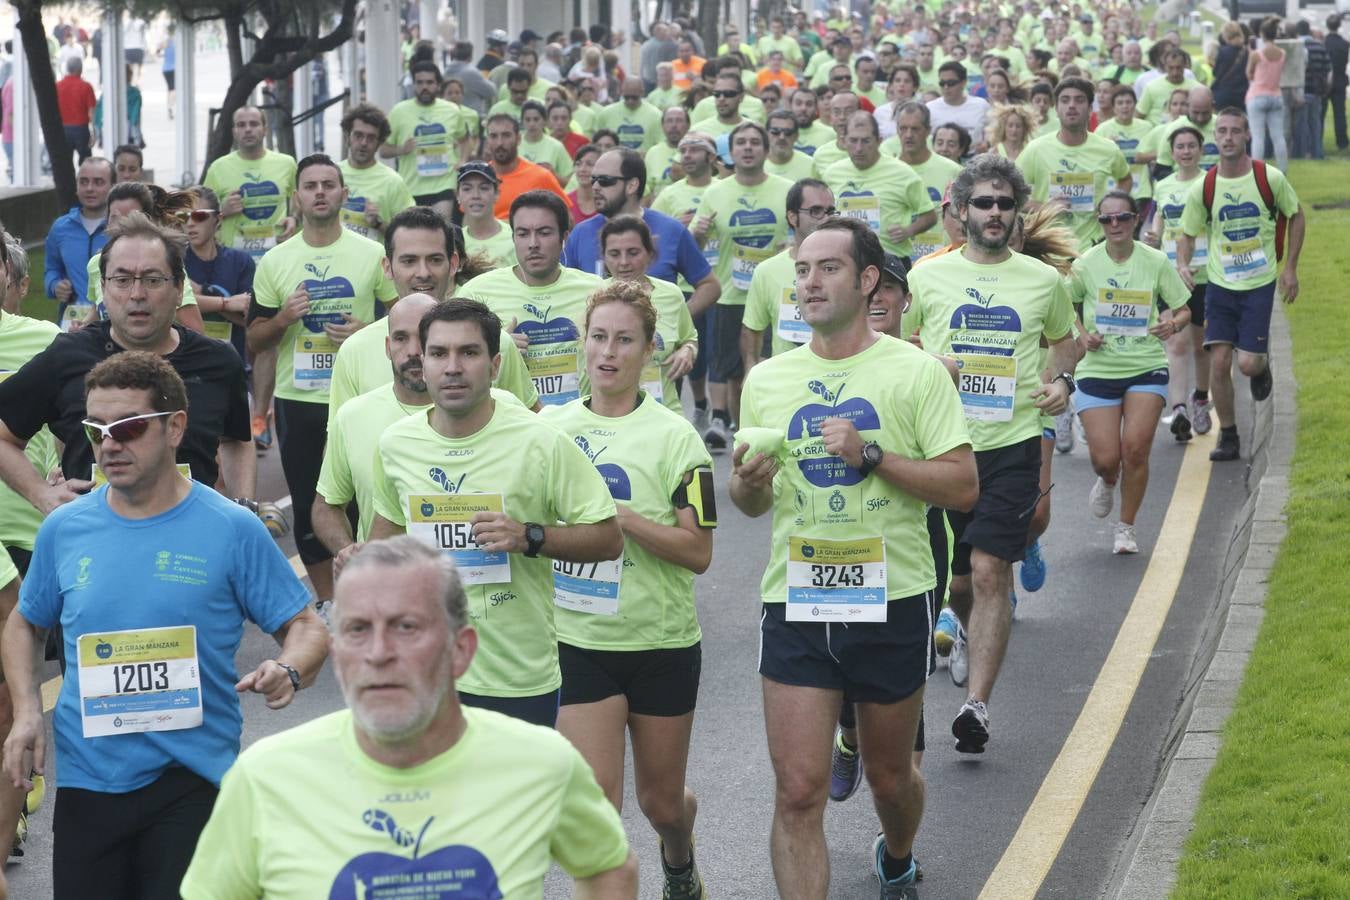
(1339, 51)
(75, 97)
(1316, 85)
(1229, 64)
(479, 93)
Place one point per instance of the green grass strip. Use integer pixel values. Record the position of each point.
(1275, 812)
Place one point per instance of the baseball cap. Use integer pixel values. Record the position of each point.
(896, 268)
(479, 168)
(498, 36)
(529, 34)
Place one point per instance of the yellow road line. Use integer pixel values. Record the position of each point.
(1033, 849)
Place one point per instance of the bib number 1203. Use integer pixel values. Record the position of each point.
(152, 676)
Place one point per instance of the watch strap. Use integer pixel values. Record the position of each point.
(291, 673)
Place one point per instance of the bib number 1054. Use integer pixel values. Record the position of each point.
(146, 676)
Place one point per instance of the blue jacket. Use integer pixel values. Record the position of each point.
(69, 248)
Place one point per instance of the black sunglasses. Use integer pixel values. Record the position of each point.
(949, 82)
(123, 430)
(779, 132)
(606, 180)
(726, 95)
(1112, 218)
(1003, 203)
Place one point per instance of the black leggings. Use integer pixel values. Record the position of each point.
(302, 431)
(132, 846)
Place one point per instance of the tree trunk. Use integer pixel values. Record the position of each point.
(234, 40)
(284, 130)
(34, 36)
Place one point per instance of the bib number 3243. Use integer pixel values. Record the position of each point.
(836, 581)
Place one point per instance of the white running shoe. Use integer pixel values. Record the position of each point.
(959, 665)
(718, 436)
(1125, 542)
(1101, 499)
(1064, 437)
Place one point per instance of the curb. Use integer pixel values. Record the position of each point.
(1148, 866)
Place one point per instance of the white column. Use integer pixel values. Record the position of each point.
(27, 128)
(351, 70)
(515, 18)
(302, 98)
(384, 59)
(587, 14)
(114, 84)
(740, 17)
(427, 13)
(473, 25)
(621, 15)
(185, 129)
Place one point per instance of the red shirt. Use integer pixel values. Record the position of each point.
(76, 98)
(574, 142)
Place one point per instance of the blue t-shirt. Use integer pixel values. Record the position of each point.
(677, 253)
(208, 563)
(230, 273)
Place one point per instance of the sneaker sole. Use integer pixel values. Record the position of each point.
(1181, 430)
(943, 643)
(970, 735)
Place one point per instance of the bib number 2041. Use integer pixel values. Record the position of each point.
(146, 676)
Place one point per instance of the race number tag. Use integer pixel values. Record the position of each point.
(135, 681)
(651, 382)
(588, 587)
(988, 386)
(928, 242)
(443, 520)
(255, 240)
(743, 262)
(712, 251)
(75, 314)
(221, 331)
(1075, 190)
(1123, 312)
(555, 377)
(1199, 256)
(836, 581)
(790, 324)
(1243, 260)
(313, 362)
(866, 209)
(432, 162)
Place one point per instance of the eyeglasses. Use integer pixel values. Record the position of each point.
(202, 215)
(1114, 218)
(726, 95)
(780, 132)
(1003, 203)
(123, 430)
(949, 82)
(821, 212)
(151, 282)
(606, 180)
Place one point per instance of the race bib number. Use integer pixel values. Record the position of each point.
(651, 382)
(836, 581)
(711, 251)
(1199, 256)
(74, 314)
(865, 209)
(988, 386)
(443, 520)
(591, 588)
(928, 242)
(743, 262)
(555, 377)
(255, 240)
(221, 331)
(790, 324)
(354, 216)
(313, 362)
(1075, 190)
(137, 681)
(99, 478)
(1243, 260)
(432, 162)
(1123, 312)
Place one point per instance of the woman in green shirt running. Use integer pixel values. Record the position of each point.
(628, 637)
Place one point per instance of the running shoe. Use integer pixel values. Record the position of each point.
(971, 727)
(1125, 542)
(1064, 437)
(686, 885)
(845, 769)
(702, 419)
(20, 836)
(262, 431)
(944, 633)
(959, 667)
(1033, 568)
(718, 435)
(1181, 426)
(902, 888)
(1201, 415)
(34, 798)
(1228, 448)
(275, 520)
(1261, 384)
(1101, 499)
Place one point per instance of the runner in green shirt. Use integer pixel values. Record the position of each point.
(881, 191)
(771, 302)
(1241, 268)
(854, 433)
(811, 132)
(627, 249)
(1127, 132)
(636, 614)
(912, 128)
(254, 185)
(453, 477)
(542, 300)
(21, 339)
(375, 192)
(1153, 101)
(989, 308)
(484, 235)
(632, 118)
(540, 147)
(1122, 380)
(1071, 167)
(785, 160)
(663, 158)
(428, 136)
(665, 94)
(842, 105)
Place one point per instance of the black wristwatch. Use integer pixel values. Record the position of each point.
(871, 458)
(534, 539)
(290, 671)
(1067, 378)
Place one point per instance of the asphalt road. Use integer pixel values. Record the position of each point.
(975, 804)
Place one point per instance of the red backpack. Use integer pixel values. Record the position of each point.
(1267, 196)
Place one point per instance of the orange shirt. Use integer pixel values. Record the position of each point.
(783, 78)
(687, 73)
(525, 177)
